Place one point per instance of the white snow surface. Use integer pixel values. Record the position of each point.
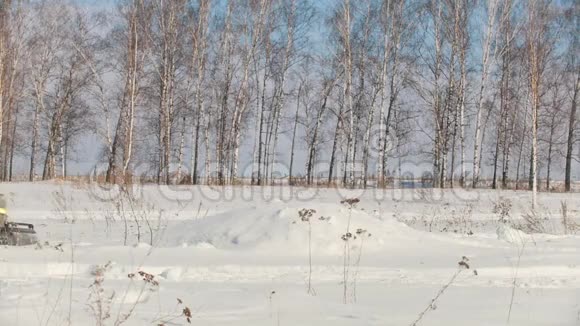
(240, 256)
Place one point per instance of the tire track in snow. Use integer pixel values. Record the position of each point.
(528, 276)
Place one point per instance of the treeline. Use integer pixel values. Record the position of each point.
(185, 87)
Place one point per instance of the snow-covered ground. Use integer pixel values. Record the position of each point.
(240, 256)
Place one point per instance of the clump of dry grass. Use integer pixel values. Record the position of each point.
(533, 222)
(306, 216)
(181, 311)
(129, 208)
(149, 284)
(361, 234)
(99, 300)
(350, 203)
(62, 205)
(502, 208)
(569, 225)
(462, 266)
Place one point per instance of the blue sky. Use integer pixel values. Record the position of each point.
(96, 3)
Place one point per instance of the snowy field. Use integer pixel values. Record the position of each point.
(245, 256)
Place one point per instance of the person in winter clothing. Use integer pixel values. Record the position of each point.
(3, 211)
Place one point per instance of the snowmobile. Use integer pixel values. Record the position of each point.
(17, 234)
(14, 234)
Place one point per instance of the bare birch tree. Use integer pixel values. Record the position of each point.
(573, 64)
(486, 62)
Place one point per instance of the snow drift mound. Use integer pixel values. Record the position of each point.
(281, 228)
(511, 235)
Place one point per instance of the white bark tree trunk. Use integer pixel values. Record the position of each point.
(485, 67)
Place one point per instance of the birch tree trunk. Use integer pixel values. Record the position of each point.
(334, 147)
(571, 134)
(488, 41)
(39, 108)
(133, 76)
(437, 107)
(392, 37)
(199, 39)
(463, 36)
(132, 63)
(534, 39)
(550, 148)
(4, 30)
(288, 53)
(290, 180)
(572, 121)
(522, 143)
(180, 151)
(383, 101)
(313, 144)
(260, 129)
(226, 52)
(243, 93)
(345, 30)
